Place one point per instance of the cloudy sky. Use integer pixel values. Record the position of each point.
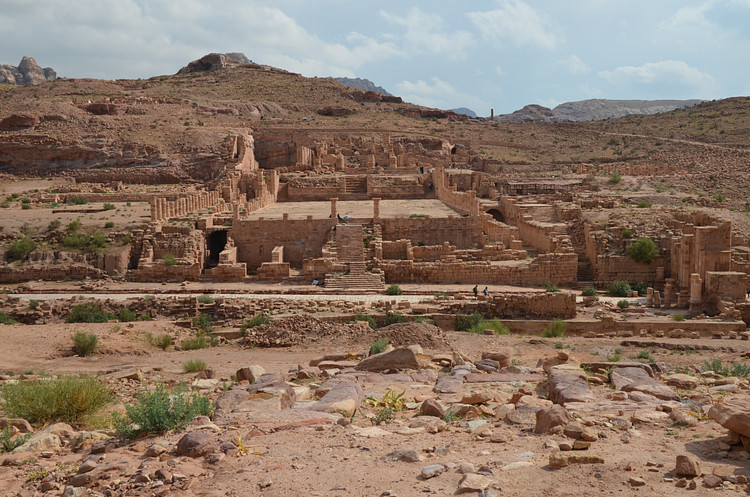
(481, 54)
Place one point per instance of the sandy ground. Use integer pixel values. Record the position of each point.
(356, 209)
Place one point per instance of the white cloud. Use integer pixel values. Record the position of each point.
(575, 65)
(438, 93)
(665, 76)
(499, 70)
(516, 22)
(426, 32)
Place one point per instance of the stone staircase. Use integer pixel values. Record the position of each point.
(355, 186)
(350, 252)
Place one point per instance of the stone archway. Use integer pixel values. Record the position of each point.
(497, 215)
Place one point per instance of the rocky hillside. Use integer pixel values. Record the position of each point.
(362, 84)
(28, 72)
(593, 110)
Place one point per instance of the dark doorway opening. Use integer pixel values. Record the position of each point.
(215, 243)
(497, 215)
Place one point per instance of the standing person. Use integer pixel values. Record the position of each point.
(475, 291)
(486, 292)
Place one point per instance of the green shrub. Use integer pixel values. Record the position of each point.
(109, 207)
(615, 178)
(393, 290)
(169, 260)
(33, 304)
(79, 200)
(8, 443)
(126, 315)
(393, 318)
(719, 197)
(366, 318)
(615, 357)
(26, 200)
(643, 251)
(84, 344)
(200, 341)
(109, 224)
(378, 346)
(6, 319)
(53, 225)
(735, 369)
(254, 321)
(160, 411)
(556, 329)
(25, 206)
(589, 291)
(205, 299)
(641, 288)
(619, 288)
(20, 249)
(627, 234)
(678, 317)
(88, 312)
(194, 366)
(161, 341)
(623, 304)
(465, 322)
(644, 204)
(203, 322)
(644, 354)
(67, 399)
(494, 324)
(551, 288)
(73, 226)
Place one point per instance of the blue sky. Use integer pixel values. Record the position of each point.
(483, 54)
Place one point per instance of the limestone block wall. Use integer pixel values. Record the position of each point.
(273, 271)
(158, 271)
(559, 269)
(399, 250)
(543, 236)
(542, 305)
(227, 272)
(49, 272)
(608, 268)
(301, 238)
(496, 231)
(459, 231)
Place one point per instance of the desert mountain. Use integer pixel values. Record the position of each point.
(215, 61)
(593, 110)
(464, 111)
(362, 84)
(28, 72)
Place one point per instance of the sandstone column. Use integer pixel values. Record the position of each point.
(333, 209)
(696, 294)
(375, 209)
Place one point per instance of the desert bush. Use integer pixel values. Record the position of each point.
(678, 317)
(551, 287)
(109, 224)
(393, 318)
(19, 249)
(73, 226)
(719, 197)
(589, 291)
(203, 322)
(378, 346)
(254, 321)
(8, 442)
(735, 369)
(126, 315)
(615, 178)
(644, 204)
(627, 234)
(33, 304)
(641, 287)
(194, 366)
(623, 304)
(556, 328)
(161, 411)
(109, 207)
(493, 324)
(643, 251)
(79, 200)
(200, 341)
(53, 225)
(88, 312)
(161, 341)
(169, 260)
(205, 299)
(394, 290)
(67, 399)
(84, 344)
(366, 318)
(619, 288)
(465, 322)
(6, 319)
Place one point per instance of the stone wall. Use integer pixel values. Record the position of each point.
(459, 231)
(301, 238)
(549, 305)
(559, 269)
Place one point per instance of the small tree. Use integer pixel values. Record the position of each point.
(20, 249)
(619, 288)
(643, 251)
(394, 290)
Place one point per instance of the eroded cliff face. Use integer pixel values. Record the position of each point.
(27, 72)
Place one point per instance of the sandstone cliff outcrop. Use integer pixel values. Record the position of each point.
(214, 62)
(28, 72)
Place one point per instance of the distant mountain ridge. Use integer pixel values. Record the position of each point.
(593, 110)
(362, 84)
(465, 111)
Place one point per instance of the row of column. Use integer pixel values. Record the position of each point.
(163, 209)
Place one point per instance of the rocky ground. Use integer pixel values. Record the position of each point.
(476, 416)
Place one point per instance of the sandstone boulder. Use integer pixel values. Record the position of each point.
(733, 415)
(196, 444)
(502, 356)
(344, 397)
(17, 121)
(401, 358)
(635, 379)
(569, 384)
(250, 373)
(687, 465)
(546, 419)
(431, 407)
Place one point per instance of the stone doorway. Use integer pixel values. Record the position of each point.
(497, 215)
(215, 243)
